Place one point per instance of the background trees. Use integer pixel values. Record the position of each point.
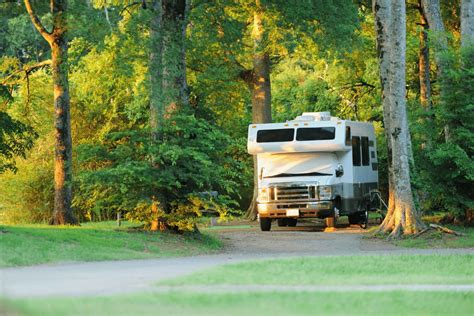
(220, 63)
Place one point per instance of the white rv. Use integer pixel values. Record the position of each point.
(314, 166)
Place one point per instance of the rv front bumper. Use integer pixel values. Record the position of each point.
(319, 209)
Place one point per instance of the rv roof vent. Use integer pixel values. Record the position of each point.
(304, 118)
(318, 116)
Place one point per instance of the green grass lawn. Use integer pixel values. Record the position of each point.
(400, 269)
(291, 303)
(38, 244)
(337, 270)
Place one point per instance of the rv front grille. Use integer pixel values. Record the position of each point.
(287, 206)
(293, 193)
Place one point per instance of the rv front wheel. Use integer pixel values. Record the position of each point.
(265, 224)
(365, 222)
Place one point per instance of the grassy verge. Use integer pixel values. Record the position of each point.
(291, 303)
(38, 244)
(436, 239)
(403, 269)
(415, 269)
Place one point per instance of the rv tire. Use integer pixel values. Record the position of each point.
(365, 222)
(265, 224)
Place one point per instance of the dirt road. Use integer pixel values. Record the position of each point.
(105, 278)
(310, 238)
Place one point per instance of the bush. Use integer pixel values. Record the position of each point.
(166, 179)
(28, 195)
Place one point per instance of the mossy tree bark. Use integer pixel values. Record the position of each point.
(167, 71)
(261, 89)
(167, 68)
(57, 39)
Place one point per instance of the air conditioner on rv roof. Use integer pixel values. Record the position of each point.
(313, 116)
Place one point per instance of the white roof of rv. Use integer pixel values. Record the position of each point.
(315, 116)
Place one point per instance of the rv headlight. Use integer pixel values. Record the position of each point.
(263, 194)
(325, 192)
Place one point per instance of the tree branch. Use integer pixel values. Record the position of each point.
(133, 4)
(27, 70)
(37, 23)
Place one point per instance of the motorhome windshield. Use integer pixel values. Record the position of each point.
(297, 164)
(315, 133)
(275, 135)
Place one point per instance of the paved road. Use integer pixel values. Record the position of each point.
(111, 277)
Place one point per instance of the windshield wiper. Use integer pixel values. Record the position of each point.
(282, 175)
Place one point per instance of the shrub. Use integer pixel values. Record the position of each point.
(165, 179)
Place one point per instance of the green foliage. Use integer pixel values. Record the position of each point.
(298, 88)
(129, 172)
(447, 167)
(27, 195)
(15, 140)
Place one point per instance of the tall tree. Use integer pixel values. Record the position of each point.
(57, 40)
(167, 71)
(402, 217)
(260, 86)
(467, 22)
(382, 14)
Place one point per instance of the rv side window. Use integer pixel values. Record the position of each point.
(275, 135)
(315, 133)
(348, 135)
(365, 151)
(356, 150)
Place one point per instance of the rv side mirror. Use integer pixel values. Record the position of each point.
(339, 171)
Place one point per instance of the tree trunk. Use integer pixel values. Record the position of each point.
(57, 40)
(175, 88)
(63, 144)
(155, 69)
(381, 10)
(169, 89)
(404, 218)
(424, 63)
(261, 90)
(432, 12)
(167, 70)
(467, 23)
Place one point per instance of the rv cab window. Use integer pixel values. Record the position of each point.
(275, 135)
(365, 151)
(356, 150)
(315, 133)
